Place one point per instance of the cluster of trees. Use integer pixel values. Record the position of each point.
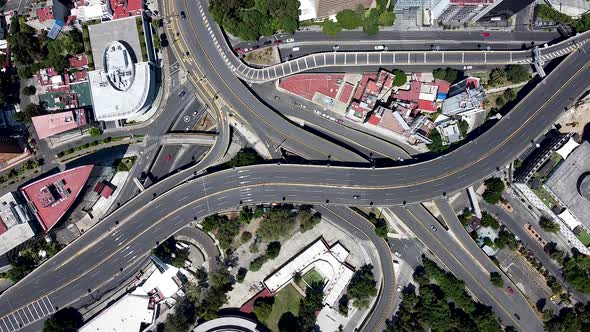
(400, 77)
(570, 319)
(277, 223)
(576, 270)
(64, 320)
(203, 301)
(9, 87)
(369, 20)
(95, 131)
(496, 279)
(487, 220)
(224, 228)
(245, 157)
(494, 189)
(29, 258)
(548, 225)
(249, 19)
(448, 74)
(441, 306)
(510, 74)
(309, 306)
(307, 218)
(578, 25)
(381, 228)
(362, 286)
(506, 239)
(272, 251)
(35, 51)
(170, 254)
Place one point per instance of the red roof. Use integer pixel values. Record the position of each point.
(52, 196)
(56, 123)
(346, 92)
(389, 121)
(443, 86)
(411, 95)
(374, 119)
(44, 14)
(248, 306)
(78, 61)
(426, 106)
(3, 227)
(364, 80)
(307, 85)
(472, 83)
(126, 8)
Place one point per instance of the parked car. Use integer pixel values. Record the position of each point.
(433, 228)
(182, 93)
(397, 254)
(485, 34)
(379, 48)
(255, 47)
(510, 290)
(290, 40)
(183, 15)
(356, 196)
(278, 41)
(268, 42)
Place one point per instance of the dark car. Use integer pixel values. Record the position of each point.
(255, 47)
(268, 42)
(182, 93)
(183, 15)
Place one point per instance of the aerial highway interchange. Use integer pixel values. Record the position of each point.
(341, 174)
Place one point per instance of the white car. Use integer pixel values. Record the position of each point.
(397, 254)
(399, 288)
(290, 40)
(379, 48)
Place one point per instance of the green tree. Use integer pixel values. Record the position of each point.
(331, 28)
(277, 223)
(349, 19)
(95, 131)
(245, 237)
(246, 215)
(183, 318)
(487, 220)
(517, 73)
(548, 225)
(309, 306)
(498, 76)
(245, 157)
(307, 219)
(400, 77)
(576, 270)
(496, 279)
(387, 18)
(64, 320)
(29, 90)
(494, 190)
(506, 239)
(362, 286)
(29, 111)
(273, 249)
(257, 263)
(263, 307)
(463, 127)
(241, 274)
(343, 305)
(448, 74)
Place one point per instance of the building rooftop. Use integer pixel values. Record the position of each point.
(56, 123)
(307, 85)
(17, 223)
(125, 315)
(52, 196)
(125, 8)
(564, 182)
(410, 95)
(346, 93)
(78, 61)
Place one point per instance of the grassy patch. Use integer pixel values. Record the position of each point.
(312, 276)
(263, 56)
(287, 299)
(584, 237)
(545, 197)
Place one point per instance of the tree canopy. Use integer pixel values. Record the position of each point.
(400, 77)
(277, 223)
(487, 220)
(64, 320)
(362, 286)
(494, 190)
(548, 225)
(245, 157)
(249, 19)
(576, 270)
(448, 74)
(496, 279)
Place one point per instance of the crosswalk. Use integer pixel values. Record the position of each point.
(26, 315)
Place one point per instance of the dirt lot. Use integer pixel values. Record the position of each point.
(263, 57)
(576, 119)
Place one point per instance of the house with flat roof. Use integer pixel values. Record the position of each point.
(17, 222)
(56, 123)
(317, 9)
(329, 261)
(465, 97)
(51, 197)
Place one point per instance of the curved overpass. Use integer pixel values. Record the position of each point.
(387, 58)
